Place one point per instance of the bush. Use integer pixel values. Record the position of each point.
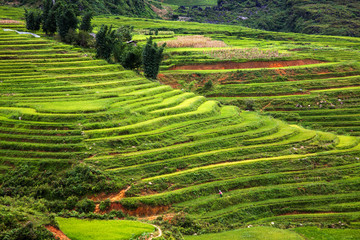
(71, 202)
(85, 39)
(118, 214)
(85, 206)
(105, 205)
(131, 58)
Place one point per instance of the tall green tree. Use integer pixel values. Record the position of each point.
(106, 39)
(33, 19)
(151, 58)
(65, 19)
(125, 32)
(49, 17)
(86, 22)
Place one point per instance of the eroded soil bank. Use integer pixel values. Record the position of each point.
(244, 65)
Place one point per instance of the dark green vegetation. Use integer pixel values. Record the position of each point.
(72, 126)
(133, 8)
(334, 17)
(151, 58)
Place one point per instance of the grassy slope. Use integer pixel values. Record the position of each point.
(313, 17)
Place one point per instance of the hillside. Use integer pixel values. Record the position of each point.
(133, 8)
(332, 17)
(73, 127)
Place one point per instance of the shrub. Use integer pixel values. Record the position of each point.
(85, 39)
(104, 205)
(118, 214)
(71, 202)
(71, 37)
(125, 33)
(85, 206)
(131, 58)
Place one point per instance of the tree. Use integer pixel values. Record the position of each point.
(152, 57)
(86, 22)
(106, 39)
(65, 20)
(125, 33)
(131, 58)
(33, 19)
(49, 17)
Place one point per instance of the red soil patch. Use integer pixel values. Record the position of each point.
(58, 234)
(143, 210)
(235, 65)
(112, 196)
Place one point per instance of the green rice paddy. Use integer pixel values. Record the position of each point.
(78, 229)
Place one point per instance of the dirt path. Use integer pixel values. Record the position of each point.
(58, 234)
(159, 235)
(244, 65)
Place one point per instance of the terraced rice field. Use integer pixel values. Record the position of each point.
(176, 149)
(317, 86)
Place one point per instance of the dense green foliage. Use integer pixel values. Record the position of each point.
(22, 219)
(66, 19)
(133, 8)
(152, 57)
(86, 22)
(33, 19)
(314, 17)
(52, 184)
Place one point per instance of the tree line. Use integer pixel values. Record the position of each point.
(113, 45)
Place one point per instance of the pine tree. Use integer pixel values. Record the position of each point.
(152, 57)
(106, 38)
(65, 20)
(33, 20)
(49, 17)
(86, 22)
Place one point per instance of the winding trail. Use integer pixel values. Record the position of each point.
(159, 230)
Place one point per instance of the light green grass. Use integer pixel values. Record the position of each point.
(78, 229)
(314, 233)
(253, 233)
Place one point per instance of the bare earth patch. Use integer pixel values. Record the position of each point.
(10, 22)
(58, 234)
(245, 65)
